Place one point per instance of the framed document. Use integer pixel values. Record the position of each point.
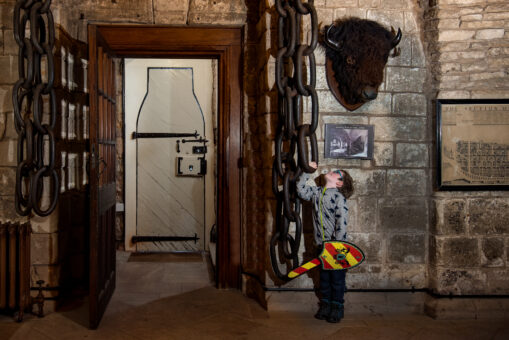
(349, 141)
(473, 144)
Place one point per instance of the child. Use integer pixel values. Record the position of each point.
(330, 216)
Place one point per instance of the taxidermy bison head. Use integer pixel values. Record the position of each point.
(357, 51)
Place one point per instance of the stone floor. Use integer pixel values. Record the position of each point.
(176, 300)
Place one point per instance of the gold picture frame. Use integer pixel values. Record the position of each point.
(473, 144)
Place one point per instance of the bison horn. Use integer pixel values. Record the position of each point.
(332, 44)
(397, 37)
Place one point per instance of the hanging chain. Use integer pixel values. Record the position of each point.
(292, 134)
(33, 99)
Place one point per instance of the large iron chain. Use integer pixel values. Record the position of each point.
(292, 133)
(33, 99)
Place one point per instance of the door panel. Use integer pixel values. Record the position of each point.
(172, 100)
(102, 177)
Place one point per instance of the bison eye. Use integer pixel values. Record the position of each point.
(350, 60)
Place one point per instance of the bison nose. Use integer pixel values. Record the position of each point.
(369, 93)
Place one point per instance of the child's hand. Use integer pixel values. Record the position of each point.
(313, 165)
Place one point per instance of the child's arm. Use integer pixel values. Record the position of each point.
(304, 190)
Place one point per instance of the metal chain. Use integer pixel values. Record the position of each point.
(292, 134)
(32, 96)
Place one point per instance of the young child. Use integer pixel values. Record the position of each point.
(330, 217)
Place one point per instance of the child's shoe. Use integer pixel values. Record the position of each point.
(324, 311)
(337, 311)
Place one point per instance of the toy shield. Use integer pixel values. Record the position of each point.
(338, 255)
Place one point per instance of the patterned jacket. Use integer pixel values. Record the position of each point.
(334, 210)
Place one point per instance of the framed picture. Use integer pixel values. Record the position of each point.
(349, 141)
(473, 144)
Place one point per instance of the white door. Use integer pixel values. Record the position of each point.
(170, 116)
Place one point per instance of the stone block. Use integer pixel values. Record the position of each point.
(454, 94)
(449, 24)
(217, 18)
(341, 3)
(44, 248)
(450, 217)
(119, 10)
(368, 183)
(364, 219)
(10, 45)
(350, 12)
(411, 25)
(5, 100)
(489, 34)
(369, 3)
(9, 67)
(455, 35)
(411, 155)
(497, 281)
(387, 18)
(484, 24)
(380, 106)
(402, 215)
(488, 216)
(401, 79)
(327, 102)
(383, 154)
(8, 150)
(6, 15)
(371, 245)
(458, 252)
(460, 281)
(406, 248)
(462, 55)
(411, 104)
(492, 252)
(405, 57)
(7, 180)
(7, 210)
(405, 129)
(418, 55)
(393, 276)
(173, 5)
(170, 17)
(341, 119)
(406, 182)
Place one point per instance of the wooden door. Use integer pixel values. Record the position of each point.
(101, 75)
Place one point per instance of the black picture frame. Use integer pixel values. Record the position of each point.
(351, 141)
(472, 144)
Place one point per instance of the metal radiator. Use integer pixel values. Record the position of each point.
(15, 268)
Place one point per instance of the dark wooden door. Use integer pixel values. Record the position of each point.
(101, 76)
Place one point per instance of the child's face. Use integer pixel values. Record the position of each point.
(335, 177)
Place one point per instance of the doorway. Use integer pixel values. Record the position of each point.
(135, 41)
(170, 147)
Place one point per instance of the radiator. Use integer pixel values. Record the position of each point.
(15, 268)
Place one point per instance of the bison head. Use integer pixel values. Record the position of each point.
(357, 51)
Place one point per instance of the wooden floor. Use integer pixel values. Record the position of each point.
(177, 300)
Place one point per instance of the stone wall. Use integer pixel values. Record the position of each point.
(468, 45)
(74, 17)
(389, 211)
(464, 56)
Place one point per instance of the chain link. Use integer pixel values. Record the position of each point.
(291, 134)
(36, 140)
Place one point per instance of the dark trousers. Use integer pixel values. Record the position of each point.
(332, 285)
